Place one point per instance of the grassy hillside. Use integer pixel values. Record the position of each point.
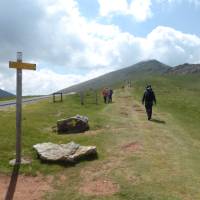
(111, 79)
(178, 95)
(138, 159)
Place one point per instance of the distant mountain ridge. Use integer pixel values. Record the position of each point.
(184, 69)
(4, 94)
(137, 70)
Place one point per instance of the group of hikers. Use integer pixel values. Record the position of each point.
(148, 99)
(107, 95)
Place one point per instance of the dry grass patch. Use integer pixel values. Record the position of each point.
(100, 187)
(132, 147)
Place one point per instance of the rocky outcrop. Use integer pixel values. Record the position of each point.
(184, 69)
(76, 124)
(70, 152)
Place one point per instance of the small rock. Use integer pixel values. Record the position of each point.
(23, 162)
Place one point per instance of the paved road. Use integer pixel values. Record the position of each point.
(27, 100)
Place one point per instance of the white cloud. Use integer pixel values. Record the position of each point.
(45, 81)
(163, 43)
(65, 40)
(139, 9)
(172, 47)
(112, 6)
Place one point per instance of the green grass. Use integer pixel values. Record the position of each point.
(38, 120)
(7, 98)
(178, 95)
(165, 168)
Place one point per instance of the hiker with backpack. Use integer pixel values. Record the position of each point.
(110, 93)
(105, 95)
(149, 99)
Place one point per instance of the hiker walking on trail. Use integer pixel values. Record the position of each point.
(148, 99)
(105, 95)
(110, 93)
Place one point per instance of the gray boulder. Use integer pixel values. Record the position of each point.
(76, 124)
(70, 152)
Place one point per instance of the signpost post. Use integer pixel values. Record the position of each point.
(19, 66)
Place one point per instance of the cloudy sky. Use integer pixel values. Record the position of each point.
(75, 40)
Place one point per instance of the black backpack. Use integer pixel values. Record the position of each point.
(149, 96)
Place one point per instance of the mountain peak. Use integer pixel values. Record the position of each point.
(150, 60)
(141, 69)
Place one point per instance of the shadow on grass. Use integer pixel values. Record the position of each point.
(68, 164)
(71, 132)
(158, 121)
(13, 183)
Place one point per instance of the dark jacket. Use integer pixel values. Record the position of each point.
(149, 97)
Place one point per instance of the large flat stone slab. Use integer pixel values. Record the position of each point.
(70, 152)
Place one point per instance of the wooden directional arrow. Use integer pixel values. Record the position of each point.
(20, 65)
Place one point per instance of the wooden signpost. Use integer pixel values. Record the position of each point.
(19, 66)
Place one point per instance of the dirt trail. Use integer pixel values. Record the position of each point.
(127, 116)
(141, 152)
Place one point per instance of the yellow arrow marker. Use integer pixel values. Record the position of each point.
(20, 65)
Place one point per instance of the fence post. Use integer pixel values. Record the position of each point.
(82, 97)
(96, 97)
